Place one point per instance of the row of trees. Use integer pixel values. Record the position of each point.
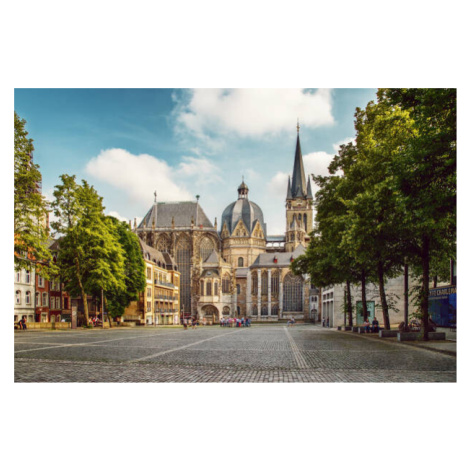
(390, 199)
(97, 254)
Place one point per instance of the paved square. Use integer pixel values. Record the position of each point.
(272, 353)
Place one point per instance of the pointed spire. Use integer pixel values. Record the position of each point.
(299, 188)
(289, 190)
(309, 190)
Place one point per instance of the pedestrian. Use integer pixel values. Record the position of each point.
(185, 324)
(367, 325)
(323, 322)
(375, 325)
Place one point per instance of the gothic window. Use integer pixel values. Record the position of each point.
(254, 287)
(275, 282)
(264, 283)
(183, 260)
(209, 288)
(254, 310)
(226, 311)
(226, 284)
(240, 262)
(205, 248)
(275, 310)
(264, 310)
(292, 293)
(216, 288)
(18, 297)
(163, 244)
(305, 222)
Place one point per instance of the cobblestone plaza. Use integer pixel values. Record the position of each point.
(304, 353)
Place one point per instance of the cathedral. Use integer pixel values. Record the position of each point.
(237, 269)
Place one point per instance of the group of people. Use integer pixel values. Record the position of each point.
(192, 322)
(371, 329)
(235, 322)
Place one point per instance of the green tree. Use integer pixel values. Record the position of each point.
(118, 299)
(90, 257)
(425, 171)
(31, 231)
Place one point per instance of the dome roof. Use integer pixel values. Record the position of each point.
(247, 211)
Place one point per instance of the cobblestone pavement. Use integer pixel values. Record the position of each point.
(304, 353)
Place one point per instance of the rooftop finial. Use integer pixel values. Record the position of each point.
(298, 125)
(155, 194)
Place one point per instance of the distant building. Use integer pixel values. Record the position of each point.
(239, 270)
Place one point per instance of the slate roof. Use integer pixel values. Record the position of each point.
(247, 211)
(213, 258)
(156, 256)
(182, 212)
(283, 259)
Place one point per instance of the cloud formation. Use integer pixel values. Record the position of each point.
(251, 112)
(139, 176)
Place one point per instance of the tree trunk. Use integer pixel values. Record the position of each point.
(425, 288)
(349, 303)
(363, 294)
(405, 295)
(383, 297)
(109, 316)
(82, 290)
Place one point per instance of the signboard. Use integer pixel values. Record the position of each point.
(443, 305)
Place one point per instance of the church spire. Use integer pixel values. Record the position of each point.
(299, 187)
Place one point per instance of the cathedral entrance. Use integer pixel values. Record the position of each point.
(210, 313)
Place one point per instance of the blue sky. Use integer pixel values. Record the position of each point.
(130, 142)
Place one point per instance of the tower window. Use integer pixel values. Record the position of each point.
(240, 262)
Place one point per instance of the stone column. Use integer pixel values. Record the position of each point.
(259, 294)
(269, 292)
(248, 293)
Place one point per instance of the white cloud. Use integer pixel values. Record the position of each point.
(118, 216)
(197, 168)
(251, 112)
(139, 176)
(277, 187)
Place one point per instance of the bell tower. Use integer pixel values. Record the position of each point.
(299, 200)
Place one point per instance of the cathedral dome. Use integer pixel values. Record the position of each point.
(243, 209)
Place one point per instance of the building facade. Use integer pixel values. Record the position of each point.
(238, 270)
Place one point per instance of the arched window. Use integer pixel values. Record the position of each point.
(254, 310)
(240, 262)
(275, 310)
(183, 260)
(264, 283)
(292, 293)
(264, 310)
(28, 277)
(18, 276)
(226, 284)
(275, 282)
(18, 297)
(254, 286)
(205, 248)
(226, 311)
(163, 244)
(28, 297)
(305, 222)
